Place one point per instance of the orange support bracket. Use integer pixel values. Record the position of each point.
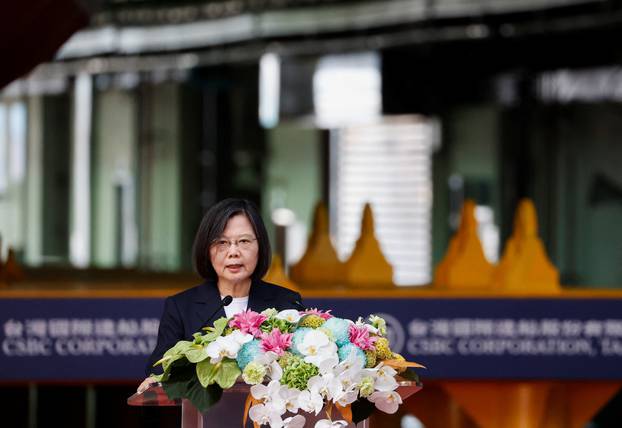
(531, 404)
(498, 404)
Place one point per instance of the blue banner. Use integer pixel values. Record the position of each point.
(110, 338)
(500, 338)
(77, 339)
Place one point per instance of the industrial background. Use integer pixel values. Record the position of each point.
(484, 135)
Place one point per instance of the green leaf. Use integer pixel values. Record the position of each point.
(361, 410)
(183, 383)
(174, 353)
(204, 398)
(178, 382)
(180, 348)
(196, 354)
(206, 372)
(166, 361)
(176, 361)
(219, 326)
(221, 323)
(198, 338)
(410, 374)
(227, 373)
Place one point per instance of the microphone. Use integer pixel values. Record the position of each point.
(298, 304)
(226, 301)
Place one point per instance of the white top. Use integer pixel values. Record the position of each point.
(239, 304)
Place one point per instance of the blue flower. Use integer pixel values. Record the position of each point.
(248, 352)
(345, 350)
(340, 330)
(298, 337)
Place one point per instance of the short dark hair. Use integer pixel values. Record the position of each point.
(211, 228)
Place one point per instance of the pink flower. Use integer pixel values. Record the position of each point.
(315, 311)
(276, 341)
(359, 336)
(248, 322)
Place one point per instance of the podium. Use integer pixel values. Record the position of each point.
(229, 411)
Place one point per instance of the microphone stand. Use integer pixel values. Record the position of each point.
(226, 301)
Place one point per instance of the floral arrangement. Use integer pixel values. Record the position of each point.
(295, 361)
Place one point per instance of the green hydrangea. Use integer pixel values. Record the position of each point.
(271, 323)
(383, 352)
(285, 359)
(254, 373)
(297, 373)
(366, 387)
(312, 321)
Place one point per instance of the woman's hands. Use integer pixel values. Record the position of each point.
(146, 384)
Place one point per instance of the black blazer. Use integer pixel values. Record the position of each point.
(187, 312)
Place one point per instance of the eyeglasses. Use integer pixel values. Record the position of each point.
(243, 243)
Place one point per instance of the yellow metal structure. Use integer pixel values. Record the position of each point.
(464, 265)
(276, 274)
(367, 266)
(10, 271)
(525, 265)
(320, 264)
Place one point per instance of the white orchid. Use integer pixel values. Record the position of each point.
(269, 360)
(349, 372)
(227, 346)
(352, 363)
(348, 397)
(325, 362)
(240, 337)
(387, 401)
(310, 402)
(266, 358)
(264, 414)
(325, 359)
(327, 423)
(270, 394)
(275, 371)
(349, 379)
(370, 373)
(290, 396)
(385, 379)
(328, 386)
(360, 322)
(318, 350)
(297, 421)
(290, 315)
(313, 342)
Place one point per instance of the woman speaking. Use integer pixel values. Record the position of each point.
(231, 253)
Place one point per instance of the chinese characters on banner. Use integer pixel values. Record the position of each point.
(79, 336)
